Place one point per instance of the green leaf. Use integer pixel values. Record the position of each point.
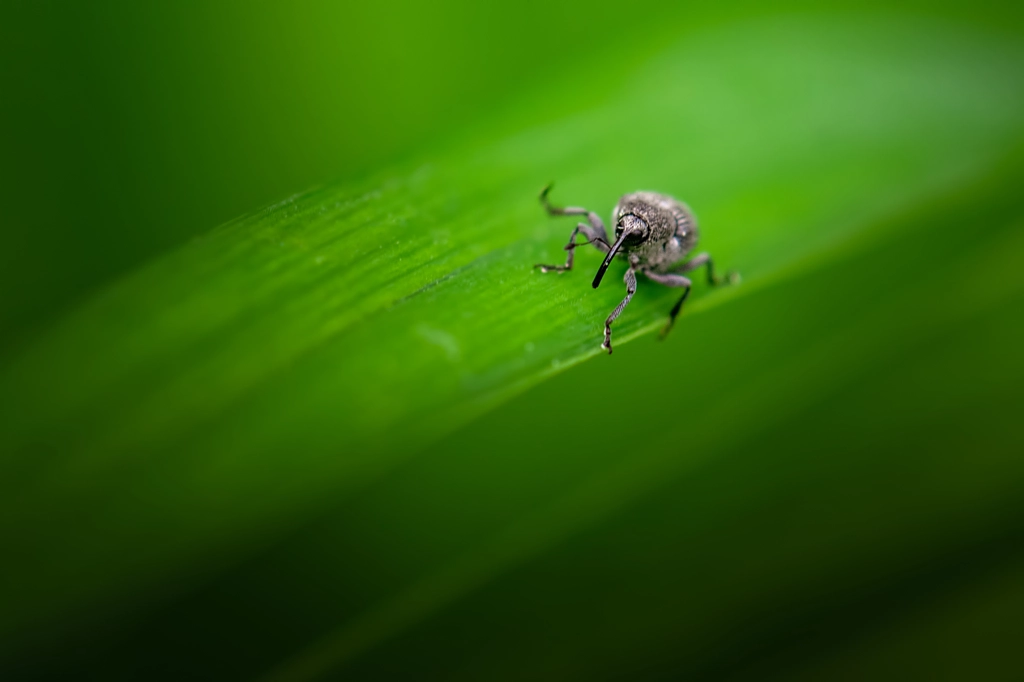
(223, 393)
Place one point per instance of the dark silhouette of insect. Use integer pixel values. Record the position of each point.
(653, 233)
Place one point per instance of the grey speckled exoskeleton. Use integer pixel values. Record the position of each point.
(653, 233)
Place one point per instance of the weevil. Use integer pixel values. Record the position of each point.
(653, 233)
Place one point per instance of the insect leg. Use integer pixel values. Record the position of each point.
(630, 280)
(705, 259)
(592, 218)
(592, 238)
(674, 280)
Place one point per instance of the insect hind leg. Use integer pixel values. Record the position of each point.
(673, 279)
(705, 259)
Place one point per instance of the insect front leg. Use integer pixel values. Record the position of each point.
(630, 280)
(593, 229)
(595, 220)
(674, 280)
(592, 238)
(705, 259)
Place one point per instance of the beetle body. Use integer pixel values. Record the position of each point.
(665, 229)
(653, 233)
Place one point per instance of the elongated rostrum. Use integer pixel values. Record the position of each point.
(653, 233)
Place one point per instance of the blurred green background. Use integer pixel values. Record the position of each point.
(222, 461)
